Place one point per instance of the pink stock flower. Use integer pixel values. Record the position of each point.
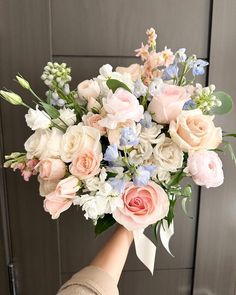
(166, 57)
(134, 70)
(205, 168)
(169, 104)
(62, 198)
(143, 206)
(142, 52)
(121, 106)
(51, 169)
(85, 164)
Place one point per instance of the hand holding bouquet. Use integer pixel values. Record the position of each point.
(119, 145)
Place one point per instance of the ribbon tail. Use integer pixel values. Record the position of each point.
(165, 234)
(145, 249)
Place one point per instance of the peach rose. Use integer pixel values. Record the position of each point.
(134, 70)
(194, 131)
(88, 88)
(85, 164)
(93, 120)
(205, 167)
(121, 106)
(142, 206)
(169, 104)
(62, 198)
(51, 169)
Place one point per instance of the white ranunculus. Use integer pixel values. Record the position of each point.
(79, 138)
(37, 119)
(44, 143)
(141, 153)
(151, 134)
(168, 156)
(67, 116)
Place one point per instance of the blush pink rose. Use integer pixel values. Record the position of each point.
(88, 88)
(121, 106)
(62, 198)
(205, 168)
(51, 169)
(85, 164)
(93, 120)
(46, 186)
(142, 206)
(194, 131)
(169, 104)
(134, 70)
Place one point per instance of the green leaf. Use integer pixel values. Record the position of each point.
(176, 178)
(226, 103)
(229, 135)
(231, 151)
(113, 84)
(155, 227)
(104, 223)
(111, 174)
(50, 110)
(171, 214)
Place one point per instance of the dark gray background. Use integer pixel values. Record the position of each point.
(86, 34)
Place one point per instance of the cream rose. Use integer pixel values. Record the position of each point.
(44, 143)
(134, 70)
(168, 156)
(194, 131)
(88, 88)
(79, 138)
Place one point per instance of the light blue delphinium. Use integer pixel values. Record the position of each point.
(198, 67)
(180, 55)
(139, 88)
(171, 72)
(141, 176)
(118, 184)
(146, 122)
(155, 88)
(111, 153)
(128, 137)
(189, 105)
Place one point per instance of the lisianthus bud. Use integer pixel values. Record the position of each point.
(11, 97)
(25, 84)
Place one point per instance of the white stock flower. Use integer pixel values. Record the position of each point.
(150, 134)
(37, 119)
(94, 184)
(44, 143)
(168, 156)
(92, 205)
(67, 116)
(79, 138)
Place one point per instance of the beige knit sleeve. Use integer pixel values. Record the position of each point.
(90, 280)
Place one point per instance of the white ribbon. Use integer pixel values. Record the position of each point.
(165, 234)
(145, 249)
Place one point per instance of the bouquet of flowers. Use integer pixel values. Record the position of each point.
(119, 145)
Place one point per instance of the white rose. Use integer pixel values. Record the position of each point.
(150, 134)
(141, 153)
(67, 116)
(167, 154)
(105, 70)
(79, 138)
(44, 143)
(37, 119)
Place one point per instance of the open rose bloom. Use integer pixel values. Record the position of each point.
(119, 145)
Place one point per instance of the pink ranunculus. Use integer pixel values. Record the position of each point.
(93, 120)
(169, 104)
(134, 70)
(121, 106)
(88, 88)
(205, 168)
(85, 164)
(51, 169)
(142, 206)
(62, 198)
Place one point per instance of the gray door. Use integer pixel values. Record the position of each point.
(87, 34)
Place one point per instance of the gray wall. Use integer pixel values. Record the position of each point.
(86, 34)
